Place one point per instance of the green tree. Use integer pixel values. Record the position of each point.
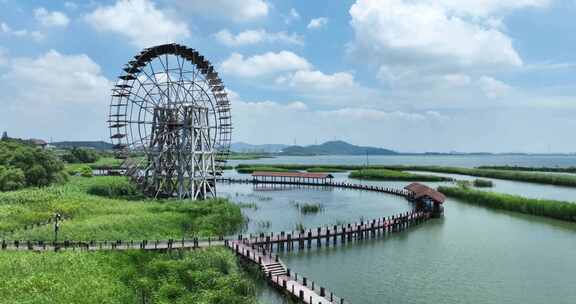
(39, 167)
(11, 179)
(81, 155)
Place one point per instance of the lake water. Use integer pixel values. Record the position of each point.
(439, 160)
(472, 255)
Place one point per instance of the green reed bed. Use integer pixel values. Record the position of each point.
(393, 175)
(530, 177)
(110, 218)
(482, 183)
(206, 276)
(249, 170)
(326, 169)
(549, 208)
(531, 169)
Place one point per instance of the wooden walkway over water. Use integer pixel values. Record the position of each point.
(259, 250)
(327, 183)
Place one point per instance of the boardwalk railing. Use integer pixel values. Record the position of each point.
(325, 236)
(93, 245)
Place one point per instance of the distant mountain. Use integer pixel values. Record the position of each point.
(98, 145)
(336, 148)
(242, 147)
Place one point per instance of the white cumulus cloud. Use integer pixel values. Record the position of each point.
(140, 21)
(54, 78)
(257, 36)
(262, 65)
(493, 88)
(64, 96)
(240, 11)
(51, 19)
(429, 36)
(317, 23)
(317, 80)
(20, 33)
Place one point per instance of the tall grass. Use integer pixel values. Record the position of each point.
(483, 183)
(249, 170)
(393, 175)
(206, 276)
(530, 177)
(102, 218)
(533, 169)
(549, 208)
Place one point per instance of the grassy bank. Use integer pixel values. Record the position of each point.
(393, 175)
(110, 215)
(549, 208)
(207, 276)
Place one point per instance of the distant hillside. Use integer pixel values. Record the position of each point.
(241, 147)
(336, 148)
(98, 145)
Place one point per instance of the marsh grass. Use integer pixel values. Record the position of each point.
(204, 276)
(94, 217)
(249, 170)
(307, 207)
(549, 208)
(252, 205)
(394, 175)
(483, 183)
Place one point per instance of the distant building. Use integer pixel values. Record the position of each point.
(39, 143)
(4, 136)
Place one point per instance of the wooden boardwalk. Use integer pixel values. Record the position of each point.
(282, 278)
(259, 250)
(304, 239)
(344, 185)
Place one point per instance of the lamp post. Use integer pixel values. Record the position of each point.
(57, 218)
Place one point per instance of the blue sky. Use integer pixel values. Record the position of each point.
(411, 75)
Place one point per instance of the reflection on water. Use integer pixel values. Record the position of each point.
(275, 211)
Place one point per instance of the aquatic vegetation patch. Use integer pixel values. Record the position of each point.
(549, 208)
(483, 183)
(394, 175)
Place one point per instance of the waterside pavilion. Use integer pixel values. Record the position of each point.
(291, 177)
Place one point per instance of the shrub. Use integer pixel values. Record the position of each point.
(11, 179)
(114, 187)
(483, 183)
(80, 155)
(86, 171)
